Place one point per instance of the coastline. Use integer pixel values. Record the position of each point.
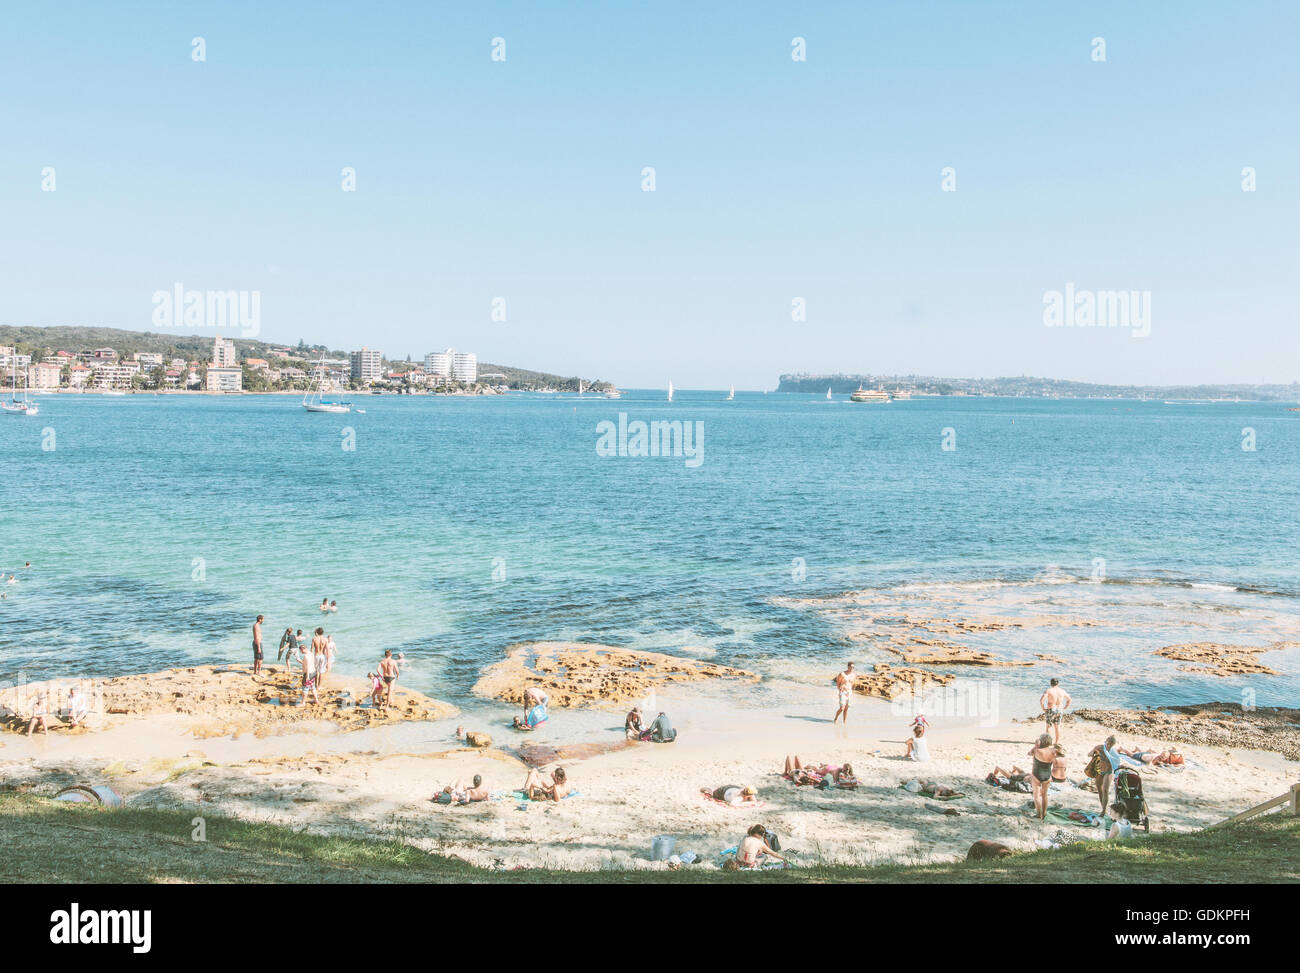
(379, 781)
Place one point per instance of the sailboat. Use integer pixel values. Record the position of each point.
(732, 394)
(312, 401)
(15, 406)
(828, 395)
(670, 390)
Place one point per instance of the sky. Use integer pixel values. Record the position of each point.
(776, 180)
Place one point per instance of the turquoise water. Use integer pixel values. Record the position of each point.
(159, 526)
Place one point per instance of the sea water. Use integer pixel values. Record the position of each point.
(448, 528)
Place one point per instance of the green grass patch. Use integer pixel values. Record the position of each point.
(53, 841)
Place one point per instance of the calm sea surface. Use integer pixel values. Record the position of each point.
(158, 527)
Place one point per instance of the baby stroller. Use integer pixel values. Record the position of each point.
(1128, 794)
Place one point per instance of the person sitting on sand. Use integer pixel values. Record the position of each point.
(632, 726)
(77, 709)
(40, 713)
(1120, 826)
(1042, 753)
(917, 748)
(539, 787)
(477, 792)
(754, 849)
(734, 794)
(1058, 765)
(535, 700)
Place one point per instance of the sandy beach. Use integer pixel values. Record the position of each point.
(359, 777)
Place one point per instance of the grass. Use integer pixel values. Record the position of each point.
(49, 841)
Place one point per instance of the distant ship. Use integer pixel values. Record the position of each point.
(732, 394)
(670, 390)
(869, 395)
(613, 394)
(828, 395)
(902, 394)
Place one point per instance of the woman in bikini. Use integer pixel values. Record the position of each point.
(754, 848)
(1043, 755)
(539, 788)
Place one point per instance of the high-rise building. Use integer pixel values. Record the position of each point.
(367, 366)
(225, 379)
(438, 363)
(464, 367)
(223, 353)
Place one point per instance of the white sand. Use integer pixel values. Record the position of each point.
(379, 782)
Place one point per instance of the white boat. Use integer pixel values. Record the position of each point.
(732, 394)
(869, 395)
(312, 401)
(902, 394)
(828, 395)
(114, 392)
(613, 394)
(670, 390)
(16, 406)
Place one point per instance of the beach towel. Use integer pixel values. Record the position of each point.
(523, 796)
(1080, 819)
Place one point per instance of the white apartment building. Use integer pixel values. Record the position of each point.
(108, 375)
(464, 367)
(225, 379)
(148, 359)
(439, 363)
(367, 366)
(223, 353)
(459, 366)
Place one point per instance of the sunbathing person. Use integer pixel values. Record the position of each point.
(539, 787)
(801, 773)
(458, 793)
(930, 789)
(733, 794)
(754, 849)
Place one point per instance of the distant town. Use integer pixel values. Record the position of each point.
(1029, 387)
(109, 360)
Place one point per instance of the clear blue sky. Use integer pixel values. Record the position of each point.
(775, 179)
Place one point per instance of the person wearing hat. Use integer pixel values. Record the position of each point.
(736, 795)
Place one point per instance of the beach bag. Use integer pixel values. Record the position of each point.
(1097, 766)
(772, 840)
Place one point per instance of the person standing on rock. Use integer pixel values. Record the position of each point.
(843, 690)
(1054, 703)
(388, 672)
(257, 646)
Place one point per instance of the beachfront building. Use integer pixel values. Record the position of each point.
(224, 354)
(148, 359)
(439, 363)
(367, 366)
(109, 375)
(458, 366)
(225, 379)
(43, 375)
(78, 376)
(464, 367)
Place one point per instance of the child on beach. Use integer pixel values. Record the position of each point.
(376, 689)
(917, 748)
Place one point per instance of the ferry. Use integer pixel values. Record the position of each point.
(869, 395)
(902, 395)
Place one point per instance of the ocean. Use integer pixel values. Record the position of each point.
(448, 528)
